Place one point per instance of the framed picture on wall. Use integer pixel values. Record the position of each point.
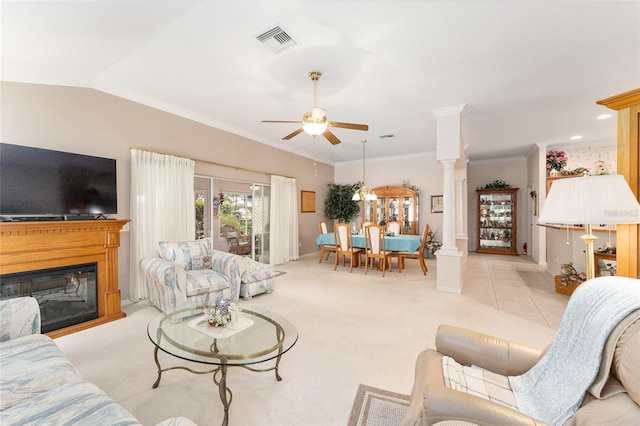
(436, 204)
(307, 201)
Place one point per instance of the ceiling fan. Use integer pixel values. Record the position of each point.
(315, 121)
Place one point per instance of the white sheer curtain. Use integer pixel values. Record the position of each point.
(162, 208)
(284, 220)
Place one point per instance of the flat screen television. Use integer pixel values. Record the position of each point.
(36, 182)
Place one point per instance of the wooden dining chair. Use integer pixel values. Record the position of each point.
(375, 249)
(394, 227)
(344, 246)
(364, 227)
(419, 254)
(328, 248)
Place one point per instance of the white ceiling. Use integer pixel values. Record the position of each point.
(528, 71)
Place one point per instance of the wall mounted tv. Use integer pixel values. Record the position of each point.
(41, 183)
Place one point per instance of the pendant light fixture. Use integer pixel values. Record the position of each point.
(363, 193)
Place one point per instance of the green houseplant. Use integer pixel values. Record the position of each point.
(338, 205)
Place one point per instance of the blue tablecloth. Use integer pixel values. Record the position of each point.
(408, 243)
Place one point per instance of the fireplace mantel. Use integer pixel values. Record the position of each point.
(30, 246)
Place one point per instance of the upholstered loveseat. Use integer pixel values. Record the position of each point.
(191, 272)
(38, 384)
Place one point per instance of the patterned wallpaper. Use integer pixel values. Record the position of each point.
(587, 157)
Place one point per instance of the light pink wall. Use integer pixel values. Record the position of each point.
(87, 121)
(421, 170)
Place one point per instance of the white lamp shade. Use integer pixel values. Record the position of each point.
(593, 200)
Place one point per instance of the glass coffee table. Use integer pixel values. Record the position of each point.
(254, 336)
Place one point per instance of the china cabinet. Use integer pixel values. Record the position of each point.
(497, 221)
(394, 204)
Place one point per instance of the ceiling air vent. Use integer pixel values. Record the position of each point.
(276, 39)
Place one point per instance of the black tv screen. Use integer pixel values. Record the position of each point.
(42, 182)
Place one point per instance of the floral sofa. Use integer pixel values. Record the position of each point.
(39, 385)
(191, 272)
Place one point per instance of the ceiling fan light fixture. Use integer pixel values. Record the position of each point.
(315, 122)
(314, 129)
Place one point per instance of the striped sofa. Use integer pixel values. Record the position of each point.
(39, 385)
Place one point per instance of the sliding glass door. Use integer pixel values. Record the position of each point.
(261, 195)
(236, 216)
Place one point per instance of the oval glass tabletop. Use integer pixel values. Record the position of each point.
(255, 336)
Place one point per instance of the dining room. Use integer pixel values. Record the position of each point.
(363, 246)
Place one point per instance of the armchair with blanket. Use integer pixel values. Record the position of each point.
(588, 375)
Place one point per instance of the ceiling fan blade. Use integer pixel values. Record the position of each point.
(274, 121)
(331, 137)
(351, 126)
(290, 135)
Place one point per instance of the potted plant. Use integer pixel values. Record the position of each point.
(432, 244)
(338, 205)
(569, 279)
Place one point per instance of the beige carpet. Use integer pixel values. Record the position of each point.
(353, 328)
(377, 407)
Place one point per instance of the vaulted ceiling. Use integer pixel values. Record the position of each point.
(529, 72)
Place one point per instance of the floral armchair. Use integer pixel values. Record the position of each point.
(190, 272)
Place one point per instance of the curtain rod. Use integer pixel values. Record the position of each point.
(244, 169)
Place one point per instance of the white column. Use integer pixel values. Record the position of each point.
(449, 207)
(449, 151)
(462, 239)
(541, 254)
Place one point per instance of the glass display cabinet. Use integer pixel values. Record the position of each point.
(497, 221)
(394, 204)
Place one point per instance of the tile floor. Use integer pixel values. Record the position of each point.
(514, 284)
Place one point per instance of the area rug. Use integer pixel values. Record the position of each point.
(278, 273)
(377, 407)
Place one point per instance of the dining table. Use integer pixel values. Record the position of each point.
(401, 242)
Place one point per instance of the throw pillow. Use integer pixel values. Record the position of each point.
(196, 261)
(183, 252)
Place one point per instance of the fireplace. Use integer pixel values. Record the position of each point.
(39, 246)
(67, 295)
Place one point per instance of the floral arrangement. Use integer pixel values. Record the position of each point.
(576, 172)
(432, 244)
(218, 315)
(570, 276)
(556, 160)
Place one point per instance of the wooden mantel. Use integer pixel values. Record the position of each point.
(31, 246)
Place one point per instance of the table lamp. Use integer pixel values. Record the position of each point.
(590, 200)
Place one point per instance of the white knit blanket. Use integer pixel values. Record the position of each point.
(554, 388)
